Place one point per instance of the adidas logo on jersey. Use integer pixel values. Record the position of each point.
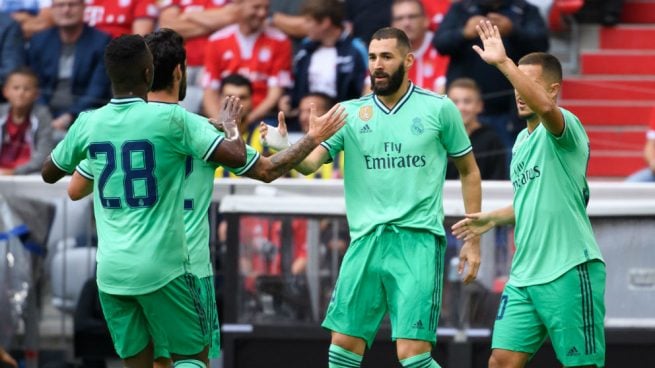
(366, 129)
(573, 352)
(418, 325)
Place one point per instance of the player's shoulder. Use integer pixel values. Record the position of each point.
(224, 33)
(358, 102)
(426, 94)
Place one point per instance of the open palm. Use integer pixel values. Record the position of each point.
(494, 51)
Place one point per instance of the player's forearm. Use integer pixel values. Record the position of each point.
(503, 216)
(50, 172)
(471, 190)
(271, 168)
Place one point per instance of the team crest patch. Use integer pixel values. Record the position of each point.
(417, 126)
(366, 113)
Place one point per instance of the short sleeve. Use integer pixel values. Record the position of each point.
(251, 158)
(200, 138)
(72, 149)
(334, 144)
(453, 134)
(573, 134)
(84, 169)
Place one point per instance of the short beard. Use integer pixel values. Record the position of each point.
(395, 81)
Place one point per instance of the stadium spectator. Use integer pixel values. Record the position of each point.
(285, 16)
(490, 152)
(523, 31)
(253, 49)
(330, 60)
(435, 11)
(367, 16)
(239, 86)
(117, 17)
(32, 15)
(195, 20)
(429, 69)
(647, 174)
(68, 58)
(12, 46)
(25, 131)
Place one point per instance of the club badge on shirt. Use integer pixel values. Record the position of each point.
(366, 113)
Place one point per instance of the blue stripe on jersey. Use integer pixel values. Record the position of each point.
(248, 166)
(462, 152)
(84, 173)
(212, 147)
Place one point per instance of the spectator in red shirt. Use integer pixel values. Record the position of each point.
(195, 20)
(429, 69)
(25, 130)
(117, 17)
(256, 51)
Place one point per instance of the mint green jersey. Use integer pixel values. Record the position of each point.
(395, 159)
(198, 189)
(137, 153)
(553, 232)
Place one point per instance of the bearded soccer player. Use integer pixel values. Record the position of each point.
(396, 142)
(556, 285)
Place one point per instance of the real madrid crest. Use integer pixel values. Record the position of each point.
(366, 112)
(417, 126)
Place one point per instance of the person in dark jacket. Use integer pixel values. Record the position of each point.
(330, 60)
(523, 31)
(68, 59)
(12, 46)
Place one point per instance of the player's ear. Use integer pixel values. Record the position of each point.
(409, 60)
(553, 90)
(177, 72)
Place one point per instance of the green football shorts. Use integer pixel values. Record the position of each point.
(399, 270)
(172, 317)
(570, 310)
(208, 301)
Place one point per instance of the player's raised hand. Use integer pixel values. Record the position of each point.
(494, 51)
(276, 138)
(469, 256)
(322, 127)
(230, 113)
(472, 226)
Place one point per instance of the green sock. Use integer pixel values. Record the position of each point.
(342, 358)
(420, 361)
(189, 363)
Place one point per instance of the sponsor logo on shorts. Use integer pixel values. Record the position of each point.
(418, 325)
(573, 352)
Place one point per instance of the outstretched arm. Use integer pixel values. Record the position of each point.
(476, 224)
(540, 100)
(321, 128)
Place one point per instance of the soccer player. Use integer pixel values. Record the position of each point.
(557, 282)
(137, 151)
(395, 144)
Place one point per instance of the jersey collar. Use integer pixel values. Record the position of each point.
(398, 104)
(125, 100)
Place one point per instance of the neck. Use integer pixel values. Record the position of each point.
(533, 123)
(163, 96)
(246, 30)
(417, 42)
(391, 100)
(19, 115)
(71, 34)
(331, 36)
(472, 127)
(140, 92)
